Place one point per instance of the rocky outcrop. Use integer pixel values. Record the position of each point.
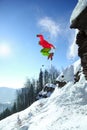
(80, 23)
(60, 84)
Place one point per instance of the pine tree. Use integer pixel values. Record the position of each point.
(14, 108)
(40, 81)
(46, 76)
(53, 74)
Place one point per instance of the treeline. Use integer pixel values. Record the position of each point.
(28, 94)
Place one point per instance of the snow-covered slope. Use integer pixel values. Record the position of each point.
(65, 109)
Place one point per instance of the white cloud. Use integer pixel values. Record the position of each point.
(73, 48)
(50, 26)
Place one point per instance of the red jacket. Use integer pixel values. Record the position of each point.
(44, 43)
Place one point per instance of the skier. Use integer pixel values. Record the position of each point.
(46, 47)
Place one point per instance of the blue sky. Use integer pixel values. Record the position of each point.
(20, 22)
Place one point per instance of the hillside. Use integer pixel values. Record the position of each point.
(3, 106)
(65, 109)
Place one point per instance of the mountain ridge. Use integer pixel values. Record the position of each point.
(7, 94)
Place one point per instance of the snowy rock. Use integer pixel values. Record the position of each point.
(46, 91)
(81, 5)
(79, 16)
(79, 21)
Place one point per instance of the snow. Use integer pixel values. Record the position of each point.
(50, 85)
(81, 5)
(66, 75)
(65, 109)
